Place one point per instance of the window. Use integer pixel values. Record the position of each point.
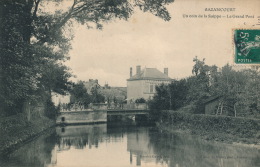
(151, 88)
(62, 119)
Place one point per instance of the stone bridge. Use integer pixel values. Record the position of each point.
(127, 112)
(98, 113)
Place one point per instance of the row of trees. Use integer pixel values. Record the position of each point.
(35, 40)
(80, 95)
(111, 96)
(238, 89)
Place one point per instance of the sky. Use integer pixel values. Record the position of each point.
(149, 41)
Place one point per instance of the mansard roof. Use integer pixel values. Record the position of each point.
(150, 74)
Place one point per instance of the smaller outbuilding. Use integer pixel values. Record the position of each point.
(211, 104)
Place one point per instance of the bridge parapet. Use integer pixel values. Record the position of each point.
(132, 106)
(105, 106)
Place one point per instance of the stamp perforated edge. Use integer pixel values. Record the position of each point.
(234, 48)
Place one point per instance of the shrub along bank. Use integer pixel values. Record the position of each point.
(16, 129)
(211, 127)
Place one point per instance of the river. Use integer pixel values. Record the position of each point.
(118, 145)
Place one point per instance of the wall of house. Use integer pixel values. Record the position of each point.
(142, 88)
(134, 89)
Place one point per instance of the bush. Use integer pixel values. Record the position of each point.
(190, 108)
(242, 127)
(17, 129)
(51, 110)
(140, 100)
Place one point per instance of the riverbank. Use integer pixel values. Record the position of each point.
(211, 127)
(16, 130)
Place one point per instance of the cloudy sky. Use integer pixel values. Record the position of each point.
(149, 41)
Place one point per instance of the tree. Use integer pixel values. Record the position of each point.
(96, 96)
(54, 77)
(18, 80)
(32, 37)
(22, 62)
(172, 96)
(248, 90)
(178, 93)
(161, 100)
(239, 91)
(230, 85)
(199, 84)
(79, 94)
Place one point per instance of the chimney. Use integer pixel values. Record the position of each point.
(166, 71)
(138, 69)
(131, 72)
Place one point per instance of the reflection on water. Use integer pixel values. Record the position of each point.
(103, 145)
(80, 137)
(36, 153)
(184, 150)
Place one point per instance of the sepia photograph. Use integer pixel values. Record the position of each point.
(129, 83)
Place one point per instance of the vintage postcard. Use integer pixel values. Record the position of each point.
(152, 83)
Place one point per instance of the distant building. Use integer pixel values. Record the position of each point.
(113, 94)
(60, 99)
(92, 83)
(143, 83)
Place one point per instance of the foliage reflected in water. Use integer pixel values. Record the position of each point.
(127, 145)
(184, 150)
(35, 153)
(79, 137)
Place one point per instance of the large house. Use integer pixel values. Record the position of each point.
(143, 83)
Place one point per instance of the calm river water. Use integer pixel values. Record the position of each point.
(107, 145)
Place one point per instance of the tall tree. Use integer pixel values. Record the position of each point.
(18, 80)
(33, 36)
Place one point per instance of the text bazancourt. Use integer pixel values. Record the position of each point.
(220, 9)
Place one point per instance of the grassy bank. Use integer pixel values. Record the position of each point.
(211, 127)
(16, 129)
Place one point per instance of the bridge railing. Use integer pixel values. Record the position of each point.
(78, 107)
(105, 106)
(132, 106)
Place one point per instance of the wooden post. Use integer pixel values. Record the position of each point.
(235, 110)
(221, 108)
(27, 110)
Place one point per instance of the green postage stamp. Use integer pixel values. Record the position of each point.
(247, 46)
